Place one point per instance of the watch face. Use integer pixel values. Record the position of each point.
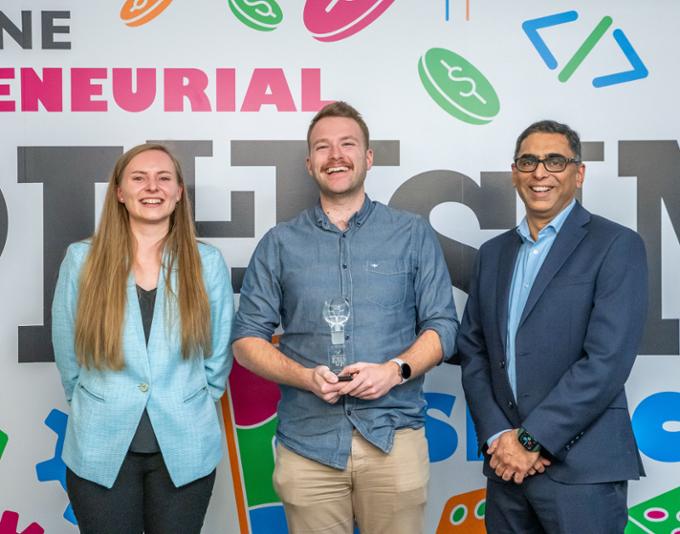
(405, 371)
(527, 441)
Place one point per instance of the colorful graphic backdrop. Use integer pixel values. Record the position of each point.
(230, 85)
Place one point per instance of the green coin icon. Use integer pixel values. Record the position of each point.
(458, 87)
(3, 442)
(261, 15)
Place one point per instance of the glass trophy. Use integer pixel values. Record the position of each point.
(336, 314)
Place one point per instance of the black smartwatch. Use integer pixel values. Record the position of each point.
(528, 441)
(404, 369)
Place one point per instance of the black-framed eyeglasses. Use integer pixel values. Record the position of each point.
(551, 163)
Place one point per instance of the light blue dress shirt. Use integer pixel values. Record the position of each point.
(530, 257)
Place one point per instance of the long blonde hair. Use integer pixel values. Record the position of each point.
(103, 280)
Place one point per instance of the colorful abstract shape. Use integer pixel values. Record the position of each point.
(656, 423)
(250, 422)
(9, 523)
(638, 71)
(268, 520)
(464, 514)
(333, 20)
(138, 12)
(656, 515)
(4, 438)
(442, 439)
(261, 15)
(54, 469)
(256, 446)
(458, 86)
(254, 398)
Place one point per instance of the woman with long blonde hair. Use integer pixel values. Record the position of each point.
(141, 321)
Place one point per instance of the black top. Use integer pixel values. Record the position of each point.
(144, 439)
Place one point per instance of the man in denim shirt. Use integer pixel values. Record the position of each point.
(348, 449)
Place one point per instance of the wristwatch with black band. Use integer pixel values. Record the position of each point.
(528, 441)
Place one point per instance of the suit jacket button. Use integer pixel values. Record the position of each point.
(502, 364)
(143, 387)
(511, 405)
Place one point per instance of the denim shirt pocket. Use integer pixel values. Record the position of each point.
(386, 282)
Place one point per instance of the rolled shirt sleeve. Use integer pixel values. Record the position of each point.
(432, 283)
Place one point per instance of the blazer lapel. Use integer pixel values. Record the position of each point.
(506, 266)
(568, 238)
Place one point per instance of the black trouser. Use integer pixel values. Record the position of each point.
(143, 498)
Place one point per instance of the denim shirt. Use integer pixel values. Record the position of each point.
(389, 264)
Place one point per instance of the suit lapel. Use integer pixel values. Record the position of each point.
(506, 266)
(566, 241)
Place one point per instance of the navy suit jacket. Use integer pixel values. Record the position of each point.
(576, 343)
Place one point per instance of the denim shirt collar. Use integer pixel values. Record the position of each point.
(358, 218)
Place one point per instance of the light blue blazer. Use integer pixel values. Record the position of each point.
(179, 394)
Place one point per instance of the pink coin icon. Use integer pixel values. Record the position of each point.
(334, 20)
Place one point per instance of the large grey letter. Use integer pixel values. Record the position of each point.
(657, 167)
(68, 175)
(242, 222)
(493, 202)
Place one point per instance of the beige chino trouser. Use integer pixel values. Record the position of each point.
(386, 493)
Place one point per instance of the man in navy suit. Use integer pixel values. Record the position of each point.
(551, 330)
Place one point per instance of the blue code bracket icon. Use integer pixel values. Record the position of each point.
(531, 28)
(54, 469)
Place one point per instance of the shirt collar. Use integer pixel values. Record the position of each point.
(555, 225)
(359, 217)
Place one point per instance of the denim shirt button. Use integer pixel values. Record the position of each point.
(344, 266)
(349, 412)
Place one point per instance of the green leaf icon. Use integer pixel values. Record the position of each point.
(458, 87)
(261, 15)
